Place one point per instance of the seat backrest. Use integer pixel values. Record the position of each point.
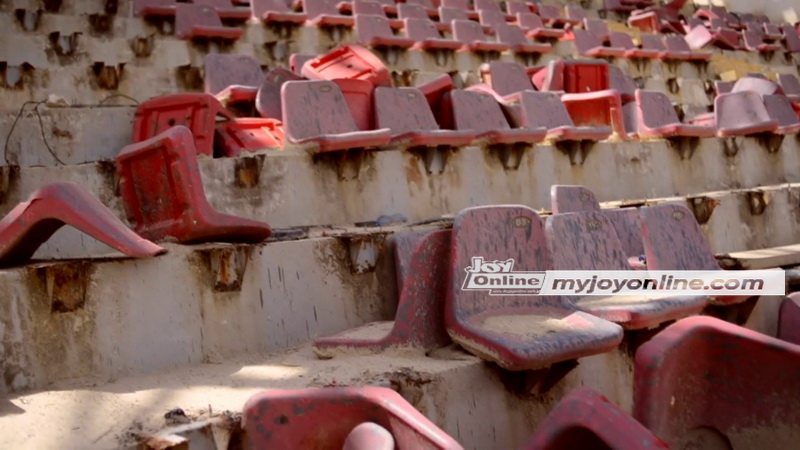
(427, 4)
(268, 98)
(760, 85)
(543, 109)
(421, 29)
(261, 7)
(740, 109)
(448, 15)
(508, 77)
(316, 8)
(673, 240)
(585, 41)
(467, 31)
(622, 82)
(652, 42)
(575, 12)
(514, 8)
(789, 83)
(655, 108)
(476, 111)
(510, 234)
(619, 39)
(676, 43)
(189, 15)
(598, 27)
(224, 70)
(460, 4)
(411, 11)
(510, 34)
(572, 198)
(315, 108)
(487, 5)
(367, 7)
(584, 240)
(626, 222)
(779, 108)
(548, 12)
(491, 18)
(586, 76)
(529, 21)
(403, 110)
(369, 27)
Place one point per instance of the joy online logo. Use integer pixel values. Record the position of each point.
(499, 278)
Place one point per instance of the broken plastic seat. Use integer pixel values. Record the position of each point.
(545, 109)
(700, 36)
(197, 21)
(789, 319)
(517, 332)
(678, 48)
(756, 83)
(419, 321)
(406, 112)
(535, 29)
(163, 194)
(586, 240)
(656, 117)
(232, 78)
(268, 98)
(31, 223)
(586, 419)
(471, 35)
(515, 37)
(779, 108)
(250, 134)
(325, 13)
(588, 44)
(375, 31)
(742, 113)
(322, 418)
(704, 380)
(275, 11)
(359, 97)
(481, 113)
(427, 37)
(316, 113)
(597, 109)
(348, 61)
(434, 90)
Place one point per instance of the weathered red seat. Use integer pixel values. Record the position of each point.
(790, 86)
(325, 13)
(422, 265)
(163, 194)
(232, 78)
(506, 78)
(427, 37)
(588, 44)
(515, 37)
(225, 9)
(779, 108)
(572, 198)
(197, 21)
(789, 319)
(348, 61)
(656, 117)
(706, 383)
(461, 5)
(624, 41)
(250, 134)
(551, 16)
(323, 419)
(426, 5)
(742, 113)
(586, 419)
(679, 49)
(374, 8)
(275, 11)
(471, 35)
(517, 332)
(154, 8)
(534, 27)
(481, 113)
(545, 109)
(376, 31)
(268, 98)
(31, 223)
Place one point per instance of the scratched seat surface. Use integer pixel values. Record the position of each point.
(473, 38)
(741, 114)
(376, 31)
(586, 240)
(545, 109)
(706, 380)
(325, 13)
(586, 419)
(517, 332)
(567, 198)
(234, 77)
(426, 35)
(481, 113)
(268, 97)
(200, 21)
(275, 11)
(422, 265)
(656, 117)
(323, 418)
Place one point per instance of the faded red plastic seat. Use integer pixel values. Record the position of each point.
(703, 380)
(575, 14)
(552, 17)
(619, 81)
(375, 31)
(323, 419)
(434, 90)
(572, 198)
(197, 112)
(419, 321)
(31, 223)
(275, 11)
(700, 36)
(790, 86)
(514, 36)
(789, 319)
(624, 41)
(490, 18)
(348, 61)
(516, 332)
(415, 11)
(358, 95)
(545, 109)
(268, 98)
(492, 6)
(427, 5)
(471, 35)
(519, 7)
(481, 113)
(597, 27)
(586, 419)
(586, 240)
(461, 5)
(506, 78)
(374, 8)
(791, 39)
(597, 109)
(163, 194)
(325, 13)
(250, 134)
(779, 108)
(427, 37)
(154, 8)
(197, 21)
(756, 42)
(723, 87)
(535, 29)
(232, 78)
(588, 44)
(296, 61)
(679, 49)
(741, 114)
(316, 113)
(756, 83)
(654, 43)
(657, 118)
(406, 112)
(225, 9)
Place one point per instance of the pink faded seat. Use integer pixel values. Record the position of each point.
(597, 27)
(700, 36)
(163, 194)
(657, 117)
(619, 81)
(789, 319)
(517, 332)
(679, 49)
(706, 380)
(624, 41)
(551, 16)
(434, 90)
(268, 98)
(225, 9)
(316, 113)
(569, 198)
(741, 114)
(514, 36)
(296, 61)
(471, 35)
(196, 21)
(406, 112)
(31, 223)
(779, 108)
(375, 31)
(626, 223)
(490, 18)
(275, 11)
(374, 8)
(723, 87)
(154, 8)
(756, 83)
(323, 418)
(586, 419)
(535, 29)
(348, 61)
(414, 11)
(545, 109)
(586, 240)
(519, 7)
(427, 5)
(325, 13)
(359, 97)
(250, 134)
(791, 39)
(506, 78)
(673, 240)
(419, 321)
(589, 44)
(575, 14)
(493, 6)
(481, 113)
(427, 37)
(461, 5)
(790, 86)
(232, 78)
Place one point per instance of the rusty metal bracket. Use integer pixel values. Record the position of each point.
(730, 146)
(142, 47)
(771, 142)
(758, 201)
(364, 250)
(28, 19)
(510, 155)
(702, 207)
(64, 284)
(247, 171)
(348, 162)
(576, 150)
(227, 266)
(434, 158)
(685, 146)
(107, 76)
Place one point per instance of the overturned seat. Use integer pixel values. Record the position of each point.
(523, 331)
(350, 62)
(706, 381)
